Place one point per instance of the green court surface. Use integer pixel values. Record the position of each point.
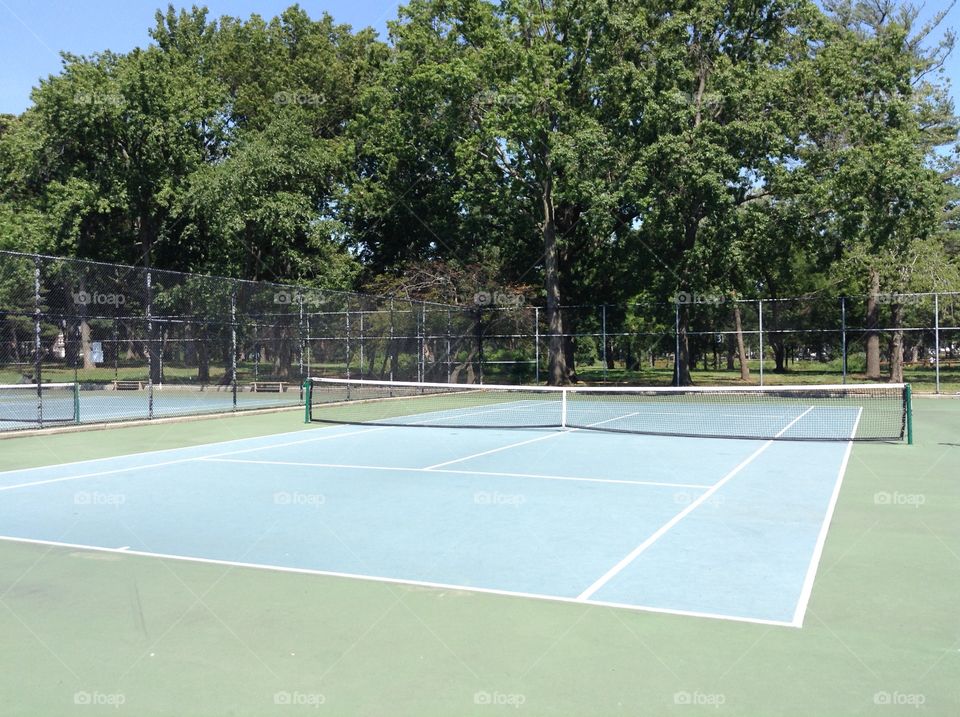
(92, 633)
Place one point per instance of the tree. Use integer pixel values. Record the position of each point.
(876, 153)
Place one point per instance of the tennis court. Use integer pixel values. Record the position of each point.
(621, 520)
(71, 403)
(293, 562)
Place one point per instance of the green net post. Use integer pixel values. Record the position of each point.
(307, 400)
(908, 399)
(76, 402)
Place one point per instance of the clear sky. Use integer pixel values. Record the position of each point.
(32, 32)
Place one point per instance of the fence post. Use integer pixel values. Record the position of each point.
(936, 337)
(349, 357)
(37, 342)
(392, 348)
(603, 338)
(843, 337)
(233, 343)
(536, 340)
(256, 350)
(149, 308)
(676, 348)
(480, 358)
(760, 316)
(423, 342)
(449, 329)
(303, 341)
(361, 339)
(116, 350)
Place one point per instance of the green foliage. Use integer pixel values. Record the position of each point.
(580, 151)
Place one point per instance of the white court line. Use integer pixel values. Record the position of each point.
(127, 469)
(807, 589)
(669, 525)
(523, 443)
(300, 431)
(401, 469)
(161, 450)
(398, 581)
(368, 428)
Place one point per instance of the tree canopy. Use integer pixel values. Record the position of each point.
(578, 151)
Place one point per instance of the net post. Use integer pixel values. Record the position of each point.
(307, 399)
(563, 408)
(908, 400)
(76, 402)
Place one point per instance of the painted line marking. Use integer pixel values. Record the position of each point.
(807, 589)
(398, 581)
(523, 443)
(400, 469)
(127, 469)
(669, 525)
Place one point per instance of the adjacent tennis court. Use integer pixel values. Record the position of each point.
(64, 404)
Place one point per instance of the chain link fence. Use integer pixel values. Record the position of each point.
(144, 343)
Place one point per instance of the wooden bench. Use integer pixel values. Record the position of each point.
(128, 385)
(268, 386)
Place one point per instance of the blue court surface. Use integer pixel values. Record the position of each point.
(98, 406)
(708, 527)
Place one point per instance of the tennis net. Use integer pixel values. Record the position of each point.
(814, 413)
(26, 404)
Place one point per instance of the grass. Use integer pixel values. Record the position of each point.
(923, 380)
(881, 635)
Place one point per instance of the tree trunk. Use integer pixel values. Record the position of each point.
(557, 370)
(681, 362)
(86, 344)
(203, 356)
(896, 344)
(741, 349)
(873, 322)
(779, 357)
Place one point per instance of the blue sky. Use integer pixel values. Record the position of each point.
(32, 32)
